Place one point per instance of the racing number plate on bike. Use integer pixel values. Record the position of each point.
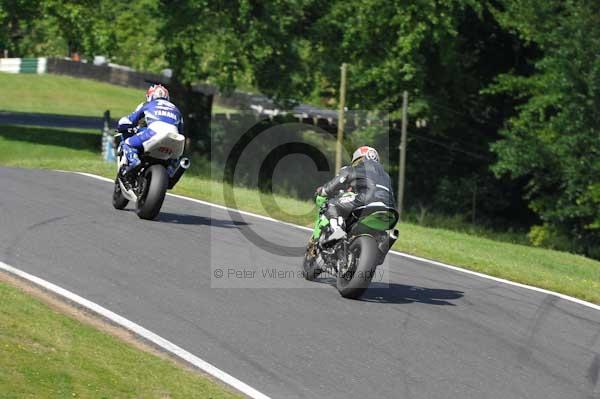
(165, 150)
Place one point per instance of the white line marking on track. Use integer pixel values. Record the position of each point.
(500, 280)
(417, 258)
(140, 331)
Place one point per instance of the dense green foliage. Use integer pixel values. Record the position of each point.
(118, 29)
(508, 89)
(554, 141)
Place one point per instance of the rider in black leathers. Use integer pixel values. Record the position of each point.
(362, 183)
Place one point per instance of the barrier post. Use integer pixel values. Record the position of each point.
(108, 150)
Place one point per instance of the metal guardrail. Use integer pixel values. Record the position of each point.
(260, 104)
(23, 65)
(104, 123)
(263, 106)
(51, 120)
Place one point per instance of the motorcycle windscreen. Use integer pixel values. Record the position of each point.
(166, 143)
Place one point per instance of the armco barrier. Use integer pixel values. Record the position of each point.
(263, 106)
(28, 65)
(10, 65)
(131, 78)
(23, 65)
(103, 73)
(126, 77)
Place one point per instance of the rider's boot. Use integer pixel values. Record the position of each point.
(133, 161)
(337, 227)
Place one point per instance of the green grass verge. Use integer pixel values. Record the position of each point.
(558, 271)
(64, 95)
(45, 354)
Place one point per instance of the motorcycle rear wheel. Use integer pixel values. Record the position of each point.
(356, 280)
(153, 193)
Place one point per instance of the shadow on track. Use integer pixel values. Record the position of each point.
(184, 219)
(402, 294)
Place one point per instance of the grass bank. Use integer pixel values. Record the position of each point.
(558, 271)
(46, 354)
(64, 95)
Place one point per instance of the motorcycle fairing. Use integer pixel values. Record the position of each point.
(166, 143)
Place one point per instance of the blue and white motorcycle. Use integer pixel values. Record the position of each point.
(160, 169)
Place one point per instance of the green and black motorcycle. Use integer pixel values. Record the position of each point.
(354, 259)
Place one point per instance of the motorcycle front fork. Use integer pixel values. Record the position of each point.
(342, 263)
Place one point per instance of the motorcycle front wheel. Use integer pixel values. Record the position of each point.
(362, 258)
(310, 271)
(118, 200)
(150, 200)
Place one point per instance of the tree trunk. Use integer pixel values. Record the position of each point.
(196, 108)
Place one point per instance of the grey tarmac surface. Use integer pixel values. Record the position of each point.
(434, 333)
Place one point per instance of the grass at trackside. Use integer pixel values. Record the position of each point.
(558, 271)
(33, 147)
(53, 94)
(44, 354)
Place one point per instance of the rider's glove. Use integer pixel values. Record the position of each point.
(128, 130)
(320, 191)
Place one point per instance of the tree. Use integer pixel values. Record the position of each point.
(554, 141)
(83, 24)
(232, 43)
(444, 54)
(134, 29)
(16, 22)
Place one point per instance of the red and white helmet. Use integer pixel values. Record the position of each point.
(365, 152)
(157, 91)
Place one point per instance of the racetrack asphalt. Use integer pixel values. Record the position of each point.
(432, 333)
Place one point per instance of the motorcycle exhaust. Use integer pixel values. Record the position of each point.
(184, 164)
(387, 243)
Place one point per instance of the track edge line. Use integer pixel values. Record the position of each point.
(139, 331)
